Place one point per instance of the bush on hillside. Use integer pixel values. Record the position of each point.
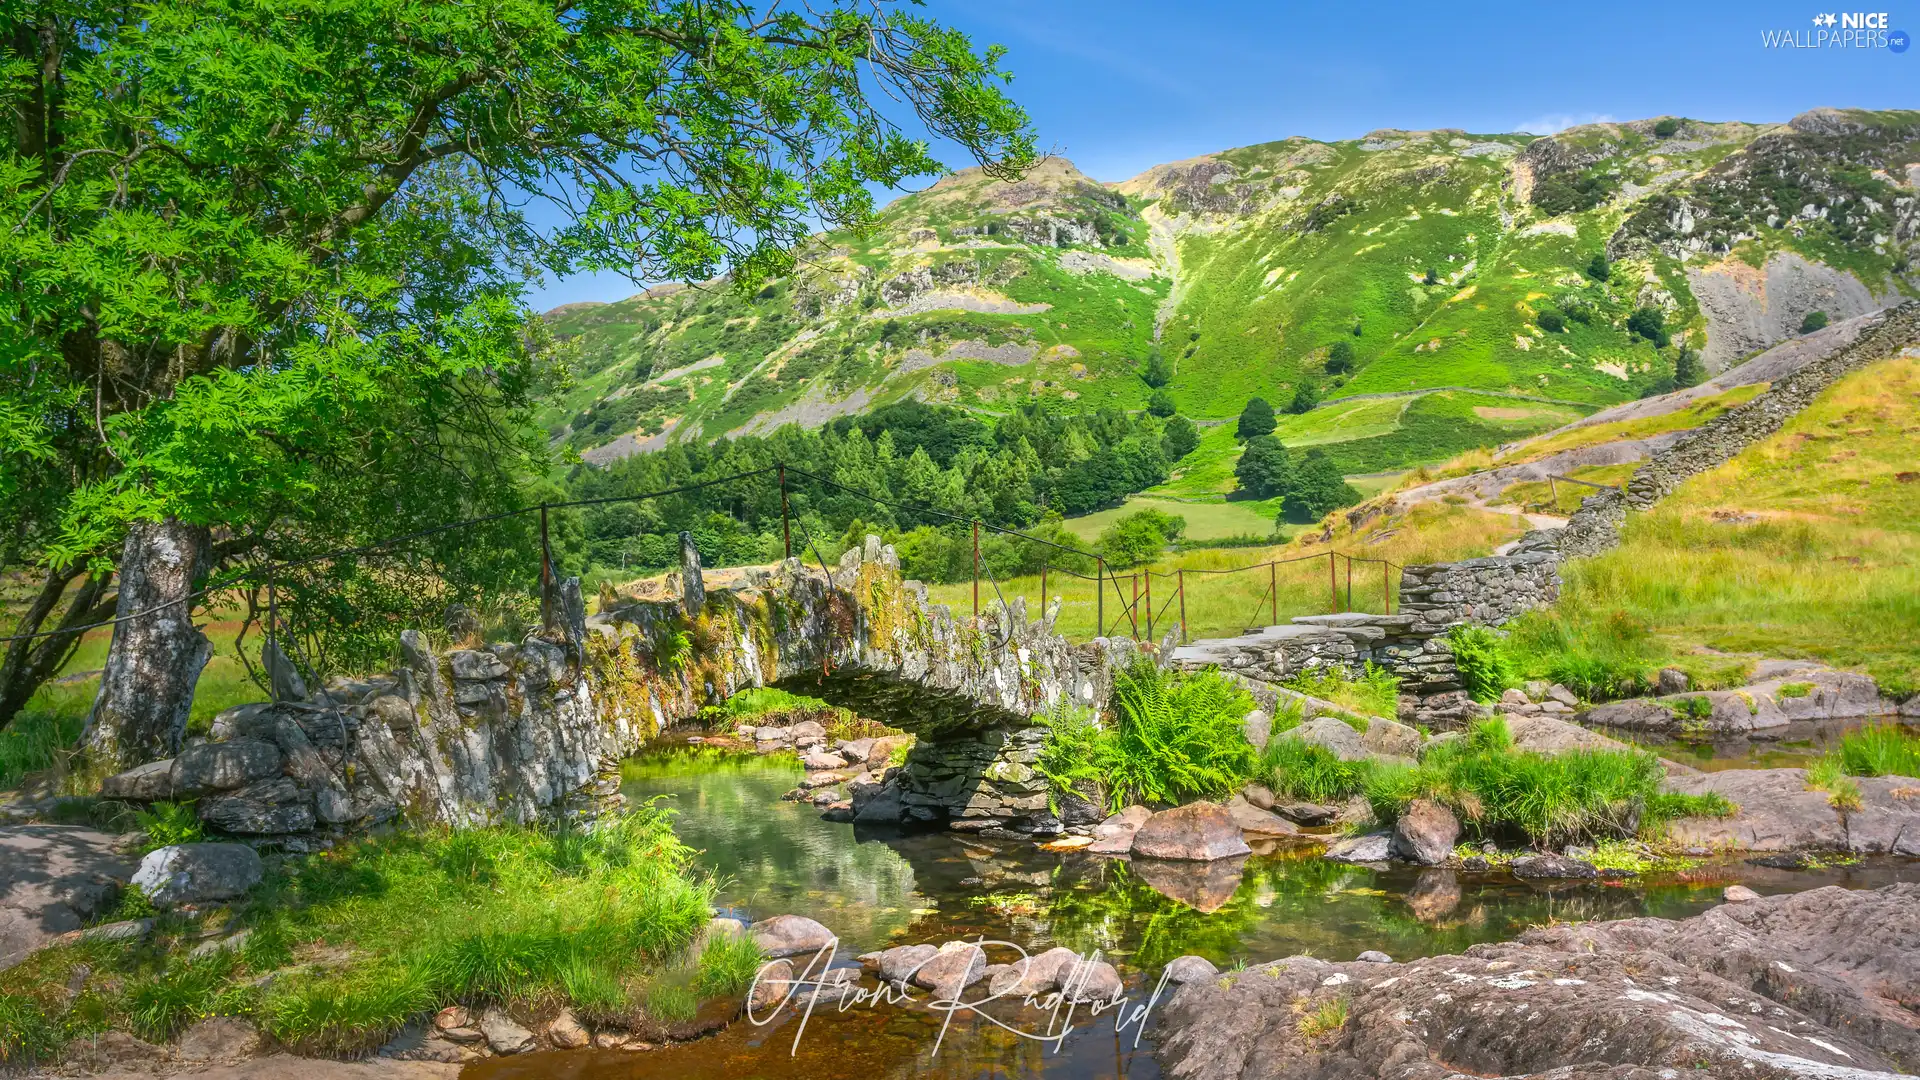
(1256, 419)
(1160, 403)
(1550, 321)
(1158, 372)
(1815, 320)
(1305, 396)
(1179, 439)
(1666, 127)
(1264, 470)
(1340, 358)
(1650, 323)
(1598, 268)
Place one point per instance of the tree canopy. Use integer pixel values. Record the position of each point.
(1255, 419)
(263, 260)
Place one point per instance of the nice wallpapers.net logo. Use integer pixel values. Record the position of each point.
(1841, 30)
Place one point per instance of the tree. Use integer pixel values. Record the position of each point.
(1318, 488)
(1598, 268)
(1305, 396)
(1686, 368)
(1264, 469)
(1158, 372)
(1550, 321)
(1815, 320)
(1431, 278)
(1340, 358)
(1179, 439)
(1139, 537)
(238, 232)
(1665, 127)
(1160, 403)
(1650, 323)
(1255, 419)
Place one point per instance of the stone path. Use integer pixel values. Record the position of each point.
(52, 879)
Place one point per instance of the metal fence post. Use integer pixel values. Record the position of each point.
(1333, 584)
(1133, 610)
(976, 569)
(1180, 579)
(1349, 583)
(1043, 590)
(786, 526)
(546, 572)
(1099, 596)
(1273, 586)
(1386, 586)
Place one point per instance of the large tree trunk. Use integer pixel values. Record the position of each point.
(157, 654)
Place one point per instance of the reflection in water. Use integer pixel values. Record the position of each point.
(1792, 746)
(877, 889)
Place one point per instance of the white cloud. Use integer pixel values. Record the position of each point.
(1552, 123)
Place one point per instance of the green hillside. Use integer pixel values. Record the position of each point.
(1404, 261)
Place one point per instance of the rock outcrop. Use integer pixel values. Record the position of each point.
(1775, 988)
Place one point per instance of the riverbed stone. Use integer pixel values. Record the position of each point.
(1551, 867)
(1374, 956)
(1888, 820)
(1114, 836)
(1091, 980)
(1256, 823)
(1035, 976)
(1365, 848)
(1738, 894)
(1778, 988)
(223, 766)
(197, 873)
(1301, 812)
(773, 985)
(1425, 833)
(1186, 969)
(1388, 738)
(790, 935)
(897, 964)
(1259, 795)
(564, 1031)
(953, 967)
(821, 761)
(1775, 812)
(1198, 831)
(1333, 735)
(505, 1035)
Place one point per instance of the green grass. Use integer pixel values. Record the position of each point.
(1804, 546)
(384, 930)
(1374, 693)
(1172, 737)
(1296, 769)
(1880, 750)
(1436, 426)
(1692, 416)
(1205, 520)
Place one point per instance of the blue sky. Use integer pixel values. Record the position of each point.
(1119, 85)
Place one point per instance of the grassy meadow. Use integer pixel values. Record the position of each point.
(1205, 520)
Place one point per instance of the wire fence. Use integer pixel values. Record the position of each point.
(1133, 610)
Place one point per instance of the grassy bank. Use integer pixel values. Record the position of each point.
(1806, 545)
(345, 947)
(1880, 750)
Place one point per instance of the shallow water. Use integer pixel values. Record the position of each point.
(1792, 746)
(880, 888)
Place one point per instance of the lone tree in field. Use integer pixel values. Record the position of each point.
(1256, 419)
(263, 265)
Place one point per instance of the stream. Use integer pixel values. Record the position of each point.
(878, 888)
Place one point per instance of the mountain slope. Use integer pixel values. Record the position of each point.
(1430, 255)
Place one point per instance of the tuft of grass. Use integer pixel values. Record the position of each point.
(1485, 669)
(1666, 806)
(1829, 774)
(1598, 655)
(727, 966)
(1298, 769)
(1880, 750)
(1374, 693)
(164, 1004)
(1791, 690)
(671, 1001)
(1324, 1019)
(27, 1034)
(594, 988)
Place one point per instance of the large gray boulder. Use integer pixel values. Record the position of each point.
(1114, 836)
(223, 766)
(1388, 738)
(1364, 848)
(142, 783)
(1789, 987)
(1425, 833)
(1196, 832)
(197, 873)
(953, 967)
(1334, 735)
(790, 935)
(1258, 824)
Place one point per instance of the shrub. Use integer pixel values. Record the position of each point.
(1550, 321)
(1340, 358)
(1598, 268)
(1298, 769)
(1650, 323)
(1174, 736)
(1255, 419)
(166, 824)
(1485, 670)
(1305, 397)
(1158, 372)
(1160, 403)
(1496, 791)
(1666, 127)
(1815, 320)
(1139, 537)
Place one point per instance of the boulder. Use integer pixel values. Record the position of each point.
(1094, 980)
(897, 965)
(1779, 988)
(1775, 812)
(222, 766)
(1334, 735)
(1186, 969)
(1256, 823)
(143, 783)
(882, 749)
(1738, 894)
(1305, 813)
(269, 807)
(1546, 867)
(1374, 956)
(1365, 848)
(475, 665)
(771, 986)
(1425, 833)
(1258, 725)
(504, 1034)
(1672, 680)
(1564, 696)
(53, 879)
(1198, 831)
(1076, 811)
(953, 967)
(1388, 738)
(822, 760)
(1259, 795)
(857, 751)
(1114, 836)
(790, 935)
(877, 803)
(565, 1032)
(808, 729)
(1034, 976)
(197, 873)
